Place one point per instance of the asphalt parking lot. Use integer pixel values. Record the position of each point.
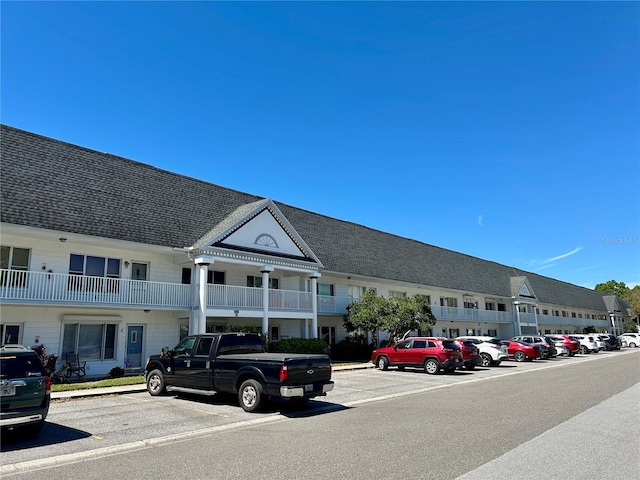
(115, 421)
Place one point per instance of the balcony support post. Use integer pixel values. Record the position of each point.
(314, 304)
(202, 262)
(517, 319)
(265, 298)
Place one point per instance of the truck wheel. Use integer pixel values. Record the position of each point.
(250, 395)
(382, 363)
(155, 383)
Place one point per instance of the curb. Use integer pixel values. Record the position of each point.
(141, 387)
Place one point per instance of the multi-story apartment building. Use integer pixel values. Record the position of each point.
(115, 259)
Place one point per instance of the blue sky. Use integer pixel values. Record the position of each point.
(507, 131)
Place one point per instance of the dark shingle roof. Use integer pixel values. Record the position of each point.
(55, 185)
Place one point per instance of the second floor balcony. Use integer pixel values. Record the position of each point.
(29, 287)
(38, 288)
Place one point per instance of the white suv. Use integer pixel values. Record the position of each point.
(492, 351)
(633, 339)
(587, 343)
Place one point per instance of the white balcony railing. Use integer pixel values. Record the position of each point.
(571, 321)
(232, 296)
(470, 314)
(58, 288)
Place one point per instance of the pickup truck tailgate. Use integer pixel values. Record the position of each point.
(307, 369)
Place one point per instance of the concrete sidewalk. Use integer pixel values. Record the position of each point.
(141, 387)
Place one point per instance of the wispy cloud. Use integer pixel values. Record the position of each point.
(564, 255)
(552, 261)
(547, 266)
(481, 220)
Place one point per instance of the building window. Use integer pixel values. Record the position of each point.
(492, 333)
(547, 332)
(556, 313)
(454, 332)
(427, 298)
(357, 292)
(91, 341)
(470, 303)
(579, 315)
(186, 276)
(16, 260)
(257, 282)
(397, 294)
(489, 306)
(94, 274)
(449, 302)
(275, 334)
(10, 334)
(328, 334)
(218, 278)
(325, 289)
(564, 313)
(213, 276)
(545, 311)
(573, 314)
(502, 307)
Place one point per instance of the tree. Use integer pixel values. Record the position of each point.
(406, 314)
(397, 315)
(613, 287)
(634, 300)
(365, 314)
(630, 327)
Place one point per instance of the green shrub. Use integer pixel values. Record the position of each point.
(349, 350)
(298, 345)
(116, 372)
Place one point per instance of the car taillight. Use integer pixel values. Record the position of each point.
(47, 385)
(284, 373)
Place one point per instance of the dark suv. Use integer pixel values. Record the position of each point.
(432, 354)
(25, 390)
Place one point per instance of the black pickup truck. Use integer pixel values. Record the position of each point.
(236, 363)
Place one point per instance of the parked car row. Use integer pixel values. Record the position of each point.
(436, 354)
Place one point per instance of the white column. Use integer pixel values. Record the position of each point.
(195, 309)
(314, 304)
(202, 263)
(202, 298)
(516, 305)
(265, 298)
